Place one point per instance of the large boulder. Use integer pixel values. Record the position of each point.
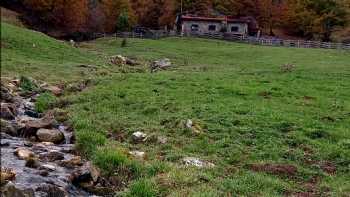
(31, 125)
(86, 173)
(8, 111)
(6, 94)
(45, 122)
(12, 190)
(8, 128)
(50, 135)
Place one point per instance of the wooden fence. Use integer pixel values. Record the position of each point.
(235, 38)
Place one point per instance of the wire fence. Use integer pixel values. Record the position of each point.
(231, 37)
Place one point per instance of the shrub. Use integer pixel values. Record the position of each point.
(27, 84)
(124, 42)
(142, 187)
(44, 102)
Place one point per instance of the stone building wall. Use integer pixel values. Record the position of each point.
(189, 27)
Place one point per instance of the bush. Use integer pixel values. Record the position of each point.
(142, 187)
(156, 168)
(124, 42)
(27, 84)
(44, 102)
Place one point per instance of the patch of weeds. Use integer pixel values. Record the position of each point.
(87, 141)
(109, 159)
(150, 110)
(122, 94)
(296, 139)
(172, 123)
(285, 127)
(157, 167)
(113, 160)
(254, 184)
(345, 144)
(44, 102)
(61, 115)
(27, 84)
(265, 94)
(318, 134)
(170, 107)
(142, 187)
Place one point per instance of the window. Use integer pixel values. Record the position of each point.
(212, 28)
(234, 29)
(194, 27)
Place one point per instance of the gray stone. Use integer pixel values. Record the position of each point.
(47, 167)
(162, 140)
(6, 94)
(24, 153)
(52, 156)
(50, 135)
(8, 111)
(46, 122)
(138, 154)
(131, 62)
(139, 137)
(189, 123)
(12, 190)
(118, 60)
(160, 64)
(8, 128)
(192, 161)
(86, 173)
(71, 163)
(32, 162)
(52, 190)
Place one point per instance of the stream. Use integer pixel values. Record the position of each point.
(31, 166)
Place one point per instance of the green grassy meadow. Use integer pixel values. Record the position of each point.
(25, 52)
(250, 112)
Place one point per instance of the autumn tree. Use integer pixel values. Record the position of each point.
(70, 15)
(315, 18)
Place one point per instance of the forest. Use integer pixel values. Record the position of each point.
(324, 20)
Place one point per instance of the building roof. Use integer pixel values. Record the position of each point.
(213, 19)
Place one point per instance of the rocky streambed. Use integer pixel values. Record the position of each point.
(37, 152)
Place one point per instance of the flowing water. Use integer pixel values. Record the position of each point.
(49, 178)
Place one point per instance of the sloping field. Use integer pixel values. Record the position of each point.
(27, 52)
(266, 132)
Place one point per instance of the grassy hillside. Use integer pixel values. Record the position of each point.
(251, 113)
(26, 52)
